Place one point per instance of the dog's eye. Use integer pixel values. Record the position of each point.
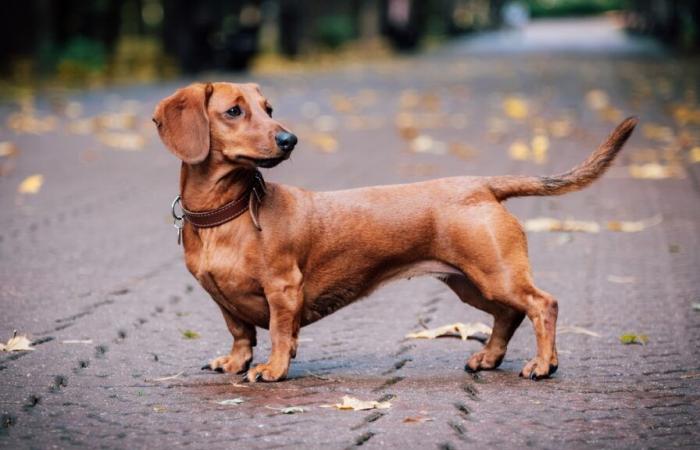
(234, 112)
(268, 109)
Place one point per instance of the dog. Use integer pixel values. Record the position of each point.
(280, 257)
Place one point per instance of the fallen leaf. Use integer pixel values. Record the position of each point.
(77, 341)
(31, 184)
(549, 224)
(561, 128)
(171, 377)
(633, 227)
(572, 329)
(515, 107)
(519, 151)
(417, 419)
(633, 338)
(694, 155)
(123, 141)
(17, 344)
(230, 401)
(540, 145)
(159, 409)
(189, 334)
(8, 149)
(655, 171)
(597, 99)
(324, 142)
(426, 144)
(461, 330)
(461, 150)
(621, 280)
(288, 409)
(354, 404)
(657, 132)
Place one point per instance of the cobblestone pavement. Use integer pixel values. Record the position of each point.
(92, 257)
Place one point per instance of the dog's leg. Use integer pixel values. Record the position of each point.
(285, 319)
(506, 321)
(241, 354)
(542, 309)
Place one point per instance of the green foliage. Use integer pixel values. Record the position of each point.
(333, 31)
(561, 8)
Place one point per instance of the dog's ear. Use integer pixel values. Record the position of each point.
(183, 123)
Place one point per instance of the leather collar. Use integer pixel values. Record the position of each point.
(250, 200)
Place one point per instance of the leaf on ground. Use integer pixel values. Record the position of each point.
(540, 145)
(460, 330)
(549, 224)
(634, 338)
(8, 149)
(694, 155)
(621, 279)
(159, 409)
(17, 344)
(288, 409)
(426, 144)
(31, 185)
(655, 171)
(353, 404)
(230, 401)
(189, 334)
(572, 329)
(417, 419)
(123, 141)
(635, 226)
(325, 142)
(77, 341)
(516, 107)
(171, 377)
(519, 151)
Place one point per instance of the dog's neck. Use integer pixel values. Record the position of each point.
(205, 188)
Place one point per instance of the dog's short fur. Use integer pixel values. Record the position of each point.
(320, 251)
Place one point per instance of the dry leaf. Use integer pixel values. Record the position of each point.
(230, 401)
(417, 419)
(540, 145)
(572, 329)
(77, 341)
(159, 408)
(17, 344)
(8, 149)
(31, 184)
(354, 404)
(633, 227)
(655, 171)
(461, 330)
(461, 150)
(621, 280)
(171, 377)
(657, 132)
(694, 155)
(426, 144)
(124, 141)
(549, 224)
(561, 128)
(324, 142)
(515, 107)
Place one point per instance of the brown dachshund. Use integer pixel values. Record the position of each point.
(297, 256)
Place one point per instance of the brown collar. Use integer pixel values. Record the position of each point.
(250, 200)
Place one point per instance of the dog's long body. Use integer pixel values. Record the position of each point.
(318, 252)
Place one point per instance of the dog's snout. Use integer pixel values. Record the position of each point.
(286, 141)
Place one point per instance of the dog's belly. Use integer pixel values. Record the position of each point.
(327, 301)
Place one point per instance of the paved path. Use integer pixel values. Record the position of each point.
(92, 257)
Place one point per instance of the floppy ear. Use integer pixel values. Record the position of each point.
(183, 123)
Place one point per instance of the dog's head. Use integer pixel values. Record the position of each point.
(223, 122)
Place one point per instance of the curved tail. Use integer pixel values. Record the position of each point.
(504, 187)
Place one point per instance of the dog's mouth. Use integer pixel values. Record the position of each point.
(265, 163)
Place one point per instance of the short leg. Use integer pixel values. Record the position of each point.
(542, 309)
(241, 354)
(506, 321)
(285, 319)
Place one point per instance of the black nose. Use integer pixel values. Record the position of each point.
(286, 141)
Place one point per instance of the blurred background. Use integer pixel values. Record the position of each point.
(73, 42)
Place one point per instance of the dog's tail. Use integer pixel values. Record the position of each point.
(504, 187)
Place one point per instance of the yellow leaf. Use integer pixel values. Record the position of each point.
(354, 404)
(655, 171)
(8, 149)
(561, 128)
(31, 184)
(550, 224)
(426, 144)
(17, 344)
(324, 142)
(124, 141)
(515, 107)
(597, 99)
(417, 419)
(633, 227)
(461, 330)
(519, 151)
(694, 155)
(540, 145)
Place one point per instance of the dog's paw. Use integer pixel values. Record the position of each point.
(538, 369)
(484, 360)
(229, 364)
(266, 372)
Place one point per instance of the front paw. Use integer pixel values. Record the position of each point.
(229, 364)
(538, 369)
(266, 372)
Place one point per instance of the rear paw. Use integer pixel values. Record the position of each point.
(538, 369)
(484, 360)
(229, 364)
